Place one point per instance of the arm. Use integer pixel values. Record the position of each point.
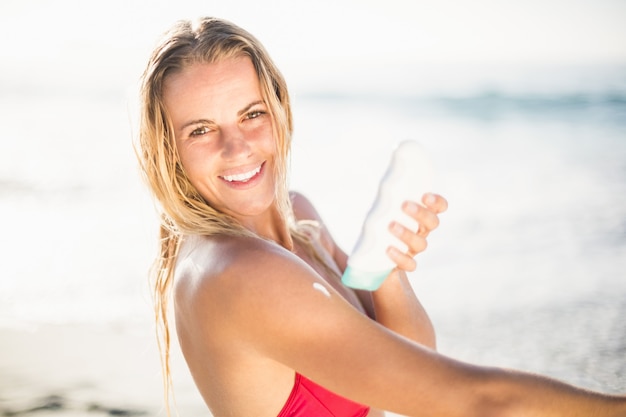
(394, 304)
(274, 308)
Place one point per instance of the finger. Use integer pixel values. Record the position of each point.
(435, 202)
(415, 243)
(425, 217)
(402, 260)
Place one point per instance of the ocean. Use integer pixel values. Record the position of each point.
(525, 271)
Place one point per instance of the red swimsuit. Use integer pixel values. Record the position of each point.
(308, 399)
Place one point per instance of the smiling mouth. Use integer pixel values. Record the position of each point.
(243, 177)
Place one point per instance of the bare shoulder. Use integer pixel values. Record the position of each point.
(210, 263)
(303, 208)
(223, 275)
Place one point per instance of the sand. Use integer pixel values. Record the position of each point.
(88, 370)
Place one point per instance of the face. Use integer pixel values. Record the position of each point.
(224, 135)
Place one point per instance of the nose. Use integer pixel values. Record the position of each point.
(234, 143)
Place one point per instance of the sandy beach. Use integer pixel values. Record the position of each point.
(87, 370)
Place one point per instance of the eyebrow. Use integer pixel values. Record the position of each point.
(239, 113)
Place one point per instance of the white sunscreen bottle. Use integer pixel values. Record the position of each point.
(408, 177)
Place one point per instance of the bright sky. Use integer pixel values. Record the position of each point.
(316, 40)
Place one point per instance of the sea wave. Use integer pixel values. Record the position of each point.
(604, 107)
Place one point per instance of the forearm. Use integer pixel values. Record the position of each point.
(513, 393)
(397, 307)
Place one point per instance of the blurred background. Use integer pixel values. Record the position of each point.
(522, 106)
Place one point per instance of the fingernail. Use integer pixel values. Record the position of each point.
(396, 228)
(411, 207)
(391, 251)
(429, 198)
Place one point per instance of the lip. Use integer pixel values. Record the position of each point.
(243, 177)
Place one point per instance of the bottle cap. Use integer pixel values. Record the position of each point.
(363, 280)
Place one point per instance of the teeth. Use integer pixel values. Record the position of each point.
(242, 177)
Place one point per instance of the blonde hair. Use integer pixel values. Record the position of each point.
(183, 210)
(209, 40)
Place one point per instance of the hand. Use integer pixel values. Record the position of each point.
(427, 217)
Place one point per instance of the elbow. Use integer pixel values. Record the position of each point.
(492, 394)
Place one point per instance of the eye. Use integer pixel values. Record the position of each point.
(254, 114)
(203, 130)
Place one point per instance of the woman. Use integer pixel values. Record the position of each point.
(265, 325)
